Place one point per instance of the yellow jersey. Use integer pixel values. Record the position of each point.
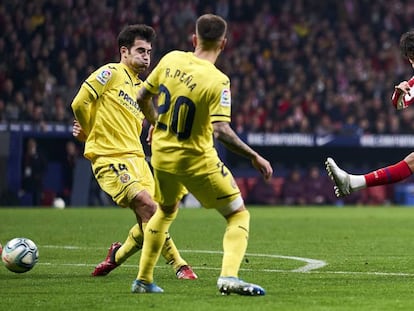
(192, 94)
(113, 117)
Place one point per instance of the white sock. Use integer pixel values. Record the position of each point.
(357, 182)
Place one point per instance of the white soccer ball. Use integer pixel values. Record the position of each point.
(59, 203)
(20, 255)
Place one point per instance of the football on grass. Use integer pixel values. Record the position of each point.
(20, 255)
(59, 203)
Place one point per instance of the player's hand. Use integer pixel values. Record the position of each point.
(263, 166)
(403, 94)
(78, 132)
(404, 87)
(149, 136)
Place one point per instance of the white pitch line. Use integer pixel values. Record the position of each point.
(370, 273)
(243, 269)
(311, 264)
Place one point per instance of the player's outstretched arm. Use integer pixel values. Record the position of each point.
(225, 134)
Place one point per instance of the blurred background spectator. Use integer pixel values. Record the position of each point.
(293, 193)
(68, 169)
(262, 192)
(317, 187)
(34, 168)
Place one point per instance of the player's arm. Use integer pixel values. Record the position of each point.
(225, 134)
(144, 100)
(81, 108)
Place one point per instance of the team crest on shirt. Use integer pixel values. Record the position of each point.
(104, 76)
(124, 178)
(225, 99)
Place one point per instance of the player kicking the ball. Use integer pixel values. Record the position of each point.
(109, 120)
(402, 97)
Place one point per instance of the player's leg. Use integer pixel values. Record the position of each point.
(235, 240)
(115, 178)
(156, 231)
(130, 183)
(171, 254)
(155, 235)
(131, 245)
(118, 253)
(157, 239)
(169, 249)
(109, 263)
(219, 190)
(346, 183)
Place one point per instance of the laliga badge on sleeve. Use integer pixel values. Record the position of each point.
(225, 99)
(104, 76)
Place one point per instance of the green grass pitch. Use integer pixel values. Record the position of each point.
(306, 258)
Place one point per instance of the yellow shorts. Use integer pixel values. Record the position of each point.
(123, 177)
(216, 189)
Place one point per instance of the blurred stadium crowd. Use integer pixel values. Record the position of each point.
(304, 66)
(295, 66)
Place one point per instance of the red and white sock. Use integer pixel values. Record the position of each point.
(388, 175)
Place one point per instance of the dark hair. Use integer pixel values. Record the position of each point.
(210, 29)
(407, 44)
(130, 33)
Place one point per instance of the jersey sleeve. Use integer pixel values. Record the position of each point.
(220, 108)
(92, 88)
(100, 80)
(81, 108)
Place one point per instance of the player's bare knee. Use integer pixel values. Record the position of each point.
(144, 206)
(410, 161)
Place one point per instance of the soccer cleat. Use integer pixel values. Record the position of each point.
(229, 285)
(108, 264)
(339, 177)
(139, 287)
(186, 273)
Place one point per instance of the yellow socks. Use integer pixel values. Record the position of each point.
(170, 253)
(132, 244)
(134, 241)
(156, 233)
(235, 243)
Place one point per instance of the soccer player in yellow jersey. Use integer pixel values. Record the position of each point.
(194, 104)
(110, 121)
